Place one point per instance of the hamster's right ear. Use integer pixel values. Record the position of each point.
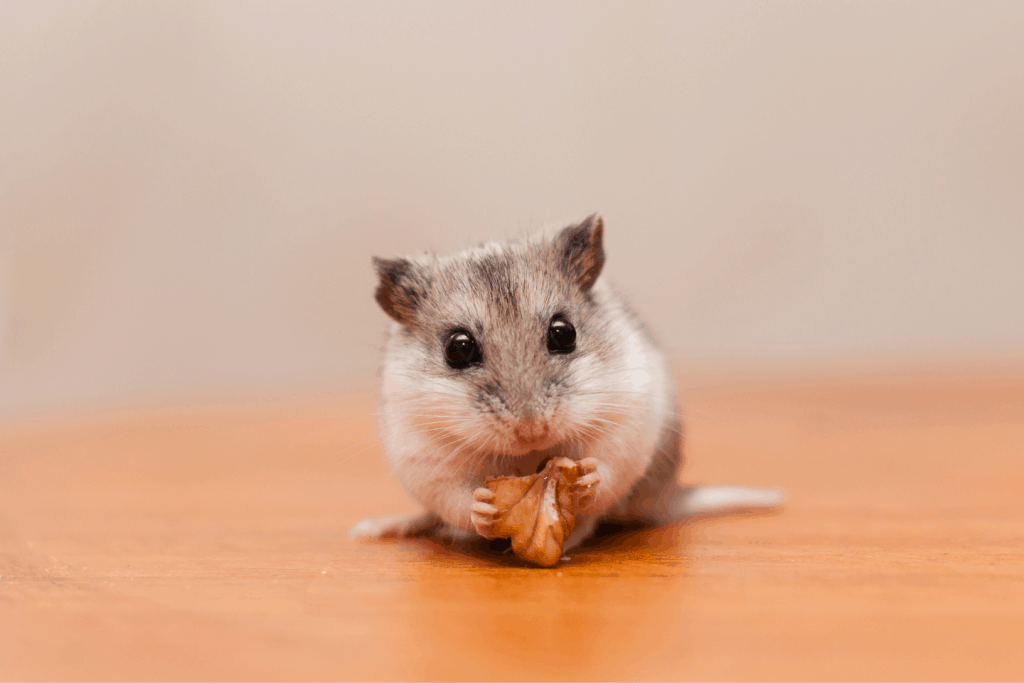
(581, 250)
(398, 292)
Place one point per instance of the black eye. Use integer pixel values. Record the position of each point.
(561, 336)
(461, 351)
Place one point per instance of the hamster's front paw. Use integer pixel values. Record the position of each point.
(585, 488)
(482, 512)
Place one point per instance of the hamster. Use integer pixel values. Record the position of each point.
(502, 356)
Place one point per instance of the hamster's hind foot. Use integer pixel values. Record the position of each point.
(395, 526)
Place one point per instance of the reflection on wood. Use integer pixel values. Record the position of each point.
(211, 543)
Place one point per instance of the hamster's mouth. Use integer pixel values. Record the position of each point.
(528, 446)
(530, 462)
(548, 448)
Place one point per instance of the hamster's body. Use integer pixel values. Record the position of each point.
(508, 354)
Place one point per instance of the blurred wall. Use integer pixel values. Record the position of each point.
(190, 193)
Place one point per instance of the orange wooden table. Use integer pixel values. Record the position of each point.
(206, 543)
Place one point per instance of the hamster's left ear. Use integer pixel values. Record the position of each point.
(398, 292)
(581, 250)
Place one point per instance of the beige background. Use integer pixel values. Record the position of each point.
(190, 192)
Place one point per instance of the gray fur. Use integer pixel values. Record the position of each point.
(609, 403)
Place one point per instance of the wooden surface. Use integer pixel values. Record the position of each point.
(208, 543)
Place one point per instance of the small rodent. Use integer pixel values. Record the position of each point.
(508, 354)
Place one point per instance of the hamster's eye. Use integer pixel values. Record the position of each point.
(461, 351)
(561, 336)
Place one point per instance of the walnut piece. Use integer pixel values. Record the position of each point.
(538, 511)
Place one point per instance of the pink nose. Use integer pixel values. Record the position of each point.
(531, 431)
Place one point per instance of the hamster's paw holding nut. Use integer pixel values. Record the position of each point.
(483, 513)
(585, 488)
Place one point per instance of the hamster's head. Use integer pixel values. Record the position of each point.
(505, 348)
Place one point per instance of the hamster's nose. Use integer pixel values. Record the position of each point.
(531, 430)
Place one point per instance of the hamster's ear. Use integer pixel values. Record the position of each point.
(397, 292)
(581, 250)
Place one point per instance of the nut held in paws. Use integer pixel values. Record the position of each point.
(537, 512)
